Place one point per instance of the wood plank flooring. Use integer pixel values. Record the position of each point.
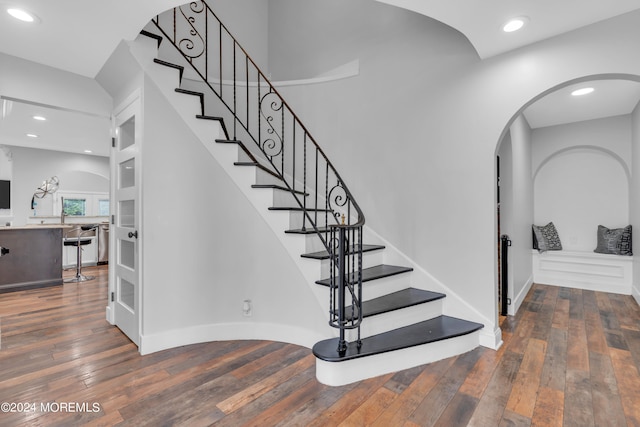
(571, 358)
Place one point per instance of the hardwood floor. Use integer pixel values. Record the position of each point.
(570, 357)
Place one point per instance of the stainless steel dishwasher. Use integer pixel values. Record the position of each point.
(103, 243)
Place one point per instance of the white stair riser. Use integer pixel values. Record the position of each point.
(313, 242)
(243, 156)
(369, 259)
(266, 178)
(385, 285)
(380, 287)
(296, 218)
(385, 322)
(287, 199)
(341, 373)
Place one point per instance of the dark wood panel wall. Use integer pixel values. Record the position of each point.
(34, 258)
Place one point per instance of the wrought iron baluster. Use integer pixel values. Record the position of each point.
(206, 44)
(304, 177)
(235, 101)
(342, 343)
(282, 139)
(293, 155)
(220, 56)
(246, 68)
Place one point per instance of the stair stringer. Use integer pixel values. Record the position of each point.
(454, 305)
(187, 107)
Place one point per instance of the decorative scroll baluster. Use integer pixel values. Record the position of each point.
(187, 28)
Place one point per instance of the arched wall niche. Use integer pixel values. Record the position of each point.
(579, 188)
(623, 164)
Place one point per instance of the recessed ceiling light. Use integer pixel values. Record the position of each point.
(583, 91)
(515, 24)
(32, 135)
(88, 151)
(39, 118)
(22, 15)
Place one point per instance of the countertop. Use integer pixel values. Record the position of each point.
(36, 226)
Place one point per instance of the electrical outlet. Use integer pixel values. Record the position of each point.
(247, 309)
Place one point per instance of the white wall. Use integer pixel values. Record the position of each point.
(506, 217)
(248, 21)
(39, 83)
(206, 247)
(414, 135)
(77, 173)
(634, 202)
(581, 178)
(519, 212)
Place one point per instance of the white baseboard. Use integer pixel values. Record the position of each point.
(151, 343)
(519, 299)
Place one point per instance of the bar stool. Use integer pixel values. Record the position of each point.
(78, 243)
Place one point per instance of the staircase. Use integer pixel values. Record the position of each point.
(384, 324)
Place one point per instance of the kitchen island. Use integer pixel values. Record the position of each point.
(34, 257)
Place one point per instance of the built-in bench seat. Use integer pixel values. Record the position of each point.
(585, 270)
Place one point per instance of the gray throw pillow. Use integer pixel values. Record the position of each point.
(538, 239)
(546, 238)
(615, 241)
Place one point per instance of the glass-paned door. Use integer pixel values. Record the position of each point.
(126, 280)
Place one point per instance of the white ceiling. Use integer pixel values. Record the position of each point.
(482, 21)
(63, 129)
(79, 35)
(609, 98)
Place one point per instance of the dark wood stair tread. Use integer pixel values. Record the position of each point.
(219, 119)
(372, 273)
(168, 64)
(308, 230)
(258, 165)
(279, 187)
(325, 255)
(180, 68)
(432, 330)
(189, 92)
(156, 37)
(204, 117)
(241, 145)
(396, 301)
(297, 208)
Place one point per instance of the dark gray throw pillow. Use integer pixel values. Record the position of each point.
(546, 238)
(616, 241)
(626, 248)
(538, 239)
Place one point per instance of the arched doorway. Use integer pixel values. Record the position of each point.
(541, 149)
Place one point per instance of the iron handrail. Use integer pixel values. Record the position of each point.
(189, 31)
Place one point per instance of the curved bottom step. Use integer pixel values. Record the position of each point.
(392, 351)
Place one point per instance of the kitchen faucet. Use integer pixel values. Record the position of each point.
(62, 214)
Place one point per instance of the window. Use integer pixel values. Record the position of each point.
(103, 207)
(75, 207)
